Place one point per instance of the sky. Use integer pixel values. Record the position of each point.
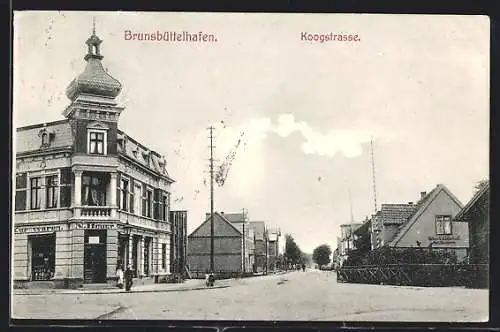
(415, 85)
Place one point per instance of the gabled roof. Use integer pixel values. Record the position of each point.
(479, 195)
(234, 217)
(221, 216)
(259, 228)
(398, 214)
(421, 207)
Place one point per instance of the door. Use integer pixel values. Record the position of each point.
(94, 263)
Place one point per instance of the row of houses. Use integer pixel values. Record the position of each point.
(437, 220)
(240, 245)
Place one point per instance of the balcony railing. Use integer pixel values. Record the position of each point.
(95, 211)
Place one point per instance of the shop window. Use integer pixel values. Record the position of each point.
(43, 249)
(36, 193)
(93, 190)
(443, 225)
(96, 142)
(21, 188)
(51, 186)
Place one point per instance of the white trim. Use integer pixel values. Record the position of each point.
(105, 142)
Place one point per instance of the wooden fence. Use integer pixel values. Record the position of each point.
(436, 275)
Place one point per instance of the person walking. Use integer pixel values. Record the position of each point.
(129, 274)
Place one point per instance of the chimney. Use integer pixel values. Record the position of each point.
(422, 194)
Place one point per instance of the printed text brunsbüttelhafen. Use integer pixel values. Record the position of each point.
(171, 36)
(329, 37)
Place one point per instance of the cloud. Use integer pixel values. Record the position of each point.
(346, 141)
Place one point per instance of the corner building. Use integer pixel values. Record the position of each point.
(88, 197)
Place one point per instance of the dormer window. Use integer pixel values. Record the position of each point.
(46, 137)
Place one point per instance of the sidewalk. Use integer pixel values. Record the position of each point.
(190, 284)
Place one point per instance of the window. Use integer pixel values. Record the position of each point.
(65, 184)
(124, 201)
(21, 188)
(149, 201)
(36, 193)
(93, 190)
(51, 187)
(163, 256)
(443, 225)
(96, 142)
(138, 195)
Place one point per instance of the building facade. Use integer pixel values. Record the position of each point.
(273, 249)
(261, 245)
(87, 196)
(476, 213)
(229, 251)
(178, 242)
(345, 242)
(432, 225)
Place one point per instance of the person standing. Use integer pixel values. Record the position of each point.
(129, 274)
(119, 276)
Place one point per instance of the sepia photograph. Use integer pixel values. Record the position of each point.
(250, 167)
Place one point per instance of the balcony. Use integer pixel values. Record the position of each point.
(95, 212)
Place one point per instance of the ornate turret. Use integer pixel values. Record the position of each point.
(94, 80)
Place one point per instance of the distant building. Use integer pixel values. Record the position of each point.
(88, 197)
(431, 225)
(178, 242)
(476, 214)
(345, 242)
(261, 243)
(230, 251)
(241, 222)
(273, 248)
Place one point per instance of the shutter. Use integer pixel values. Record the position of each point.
(21, 200)
(118, 191)
(21, 181)
(65, 196)
(144, 197)
(66, 175)
(132, 193)
(156, 204)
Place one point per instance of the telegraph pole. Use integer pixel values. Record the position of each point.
(211, 129)
(244, 240)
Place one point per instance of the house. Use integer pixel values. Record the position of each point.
(231, 253)
(431, 225)
(261, 245)
(88, 197)
(362, 236)
(273, 235)
(476, 214)
(386, 222)
(345, 242)
(178, 242)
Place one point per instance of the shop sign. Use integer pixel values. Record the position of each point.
(444, 238)
(38, 229)
(93, 239)
(94, 226)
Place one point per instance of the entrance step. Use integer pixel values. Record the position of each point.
(97, 286)
(40, 285)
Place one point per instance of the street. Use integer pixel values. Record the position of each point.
(306, 296)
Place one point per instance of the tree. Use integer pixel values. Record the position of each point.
(293, 254)
(480, 185)
(321, 255)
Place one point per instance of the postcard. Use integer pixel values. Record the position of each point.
(250, 166)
